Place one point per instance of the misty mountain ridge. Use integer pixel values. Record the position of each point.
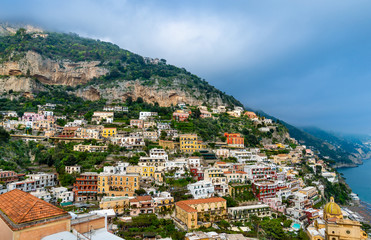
(343, 150)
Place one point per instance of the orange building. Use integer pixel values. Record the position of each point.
(86, 186)
(234, 140)
(26, 217)
(250, 115)
(180, 115)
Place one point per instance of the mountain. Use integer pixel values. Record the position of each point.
(340, 151)
(36, 61)
(31, 59)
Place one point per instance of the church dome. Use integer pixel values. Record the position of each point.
(332, 210)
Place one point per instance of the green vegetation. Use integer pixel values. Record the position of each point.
(149, 225)
(122, 64)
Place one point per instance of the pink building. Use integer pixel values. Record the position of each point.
(31, 116)
(180, 116)
(141, 205)
(275, 204)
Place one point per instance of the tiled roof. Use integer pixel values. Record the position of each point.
(22, 207)
(185, 204)
(185, 207)
(203, 200)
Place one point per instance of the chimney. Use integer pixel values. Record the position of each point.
(105, 221)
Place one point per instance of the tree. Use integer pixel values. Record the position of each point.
(4, 135)
(163, 135)
(140, 191)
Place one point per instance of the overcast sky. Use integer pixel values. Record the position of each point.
(305, 62)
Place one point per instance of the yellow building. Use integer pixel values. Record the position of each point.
(163, 202)
(109, 132)
(168, 144)
(133, 169)
(189, 143)
(335, 227)
(159, 176)
(118, 184)
(205, 211)
(147, 171)
(118, 204)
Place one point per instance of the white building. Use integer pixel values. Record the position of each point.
(222, 153)
(73, 169)
(158, 152)
(146, 115)
(100, 116)
(194, 162)
(42, 193)
(63, 194)
(244, 156)
(43, 179)
(76, 123)
(119, 169)
(201, 189)
(179, 163)
(26, 186)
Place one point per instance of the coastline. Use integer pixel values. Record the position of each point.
(363, 208)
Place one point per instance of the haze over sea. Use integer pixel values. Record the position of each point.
(359, 179)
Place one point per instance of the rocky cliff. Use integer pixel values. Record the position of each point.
(55, 72)
(165, 96)
(20, 84)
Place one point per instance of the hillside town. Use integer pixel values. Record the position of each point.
(152, 172)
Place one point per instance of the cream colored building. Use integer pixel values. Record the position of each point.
(90, 148)
(335, 226)
(73, 169)
(118, 204)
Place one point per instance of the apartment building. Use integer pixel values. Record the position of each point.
(189, 143)
(118, 184)
(235, 140)
(86, 186)
(90, 148)
(201, 189)
(109, 132)
(200, 212)
(243, 213)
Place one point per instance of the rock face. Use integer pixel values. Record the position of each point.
(164, 96)
(49, 71)
(19, 84)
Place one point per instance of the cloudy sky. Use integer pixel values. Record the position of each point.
(305, 62)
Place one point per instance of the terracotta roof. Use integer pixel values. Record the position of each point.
(220, 162)
(22, 207)
(203, 200)
(241, 172)
(141, 198)
(185, 207)
(185, 204)
(227, 172)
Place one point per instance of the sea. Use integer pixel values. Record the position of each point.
(359, 179)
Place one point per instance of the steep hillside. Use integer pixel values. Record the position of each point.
(94, 69)
(338, 151)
